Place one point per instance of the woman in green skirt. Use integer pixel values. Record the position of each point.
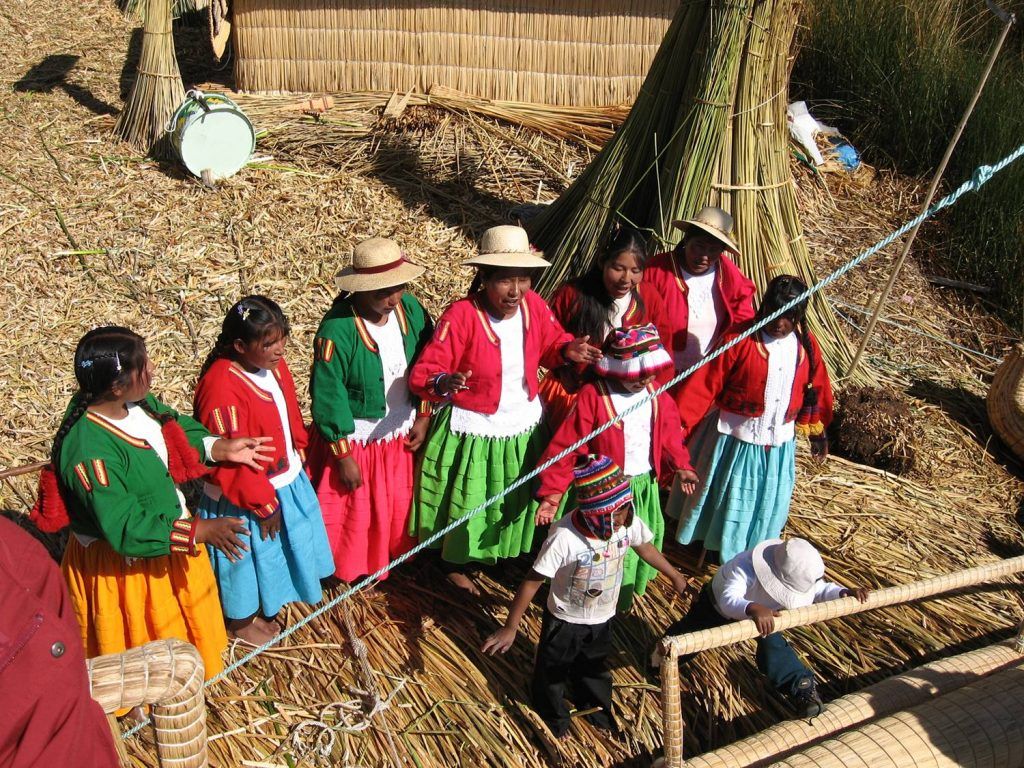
(483, 362)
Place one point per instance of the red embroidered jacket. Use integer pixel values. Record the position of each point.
(464, 341)
(735, 381)
(593, 408)
(665, 275)
(231, 405)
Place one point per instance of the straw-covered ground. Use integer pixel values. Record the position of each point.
(92, 234)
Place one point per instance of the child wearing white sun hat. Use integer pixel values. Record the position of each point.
(756, 585)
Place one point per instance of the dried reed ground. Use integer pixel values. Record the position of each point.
(173, 256)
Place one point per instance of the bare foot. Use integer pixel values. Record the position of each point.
(269, 625)
(462, 581)
(248, 631)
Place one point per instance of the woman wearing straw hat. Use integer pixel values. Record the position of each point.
(705, 293)
(483, 361)
(367, 424)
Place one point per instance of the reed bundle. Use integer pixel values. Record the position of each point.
(158, 90)
(709, 126)
(1005, 401)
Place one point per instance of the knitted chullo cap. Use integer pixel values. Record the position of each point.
(633, 354)
(601, 488)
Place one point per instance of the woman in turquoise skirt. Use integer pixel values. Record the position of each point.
(768, 388)
(483, 362)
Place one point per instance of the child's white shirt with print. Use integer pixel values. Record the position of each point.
(586, 573)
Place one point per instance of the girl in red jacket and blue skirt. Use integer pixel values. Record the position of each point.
(611, 295)
(367, 426)
(768, 388)
(245, 388)
(704, 292)
(482, 361)
(647, 443)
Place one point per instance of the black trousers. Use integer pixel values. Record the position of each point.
(572, 656)
(776, 659)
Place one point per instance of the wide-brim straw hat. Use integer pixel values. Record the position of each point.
(507, 246)
(377, 263)
(715, 222)
(788, 570)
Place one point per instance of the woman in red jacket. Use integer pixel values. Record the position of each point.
(483, 361)
(704, 292)
(769, 387)
(611, 295)
(246, 389)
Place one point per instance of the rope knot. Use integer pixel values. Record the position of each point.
(981, 175)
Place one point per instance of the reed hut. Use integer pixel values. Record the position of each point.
(573, 52)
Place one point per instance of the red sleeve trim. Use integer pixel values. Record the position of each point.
(183, 536)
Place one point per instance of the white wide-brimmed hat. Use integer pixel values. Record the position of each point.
(788, 570)
(715, 222)
(507, 246)
(377, 263)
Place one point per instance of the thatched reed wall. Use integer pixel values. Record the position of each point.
(576, 52)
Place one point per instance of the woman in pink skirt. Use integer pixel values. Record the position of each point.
(367, 425)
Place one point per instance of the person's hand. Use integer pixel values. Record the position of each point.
(819, 447)
(764, 618)
(248, 451)
(350, 474)
(417, 434)
(450, 383)
(581, 351)
(547, 509)
(679, 582)
(688, 480)
(500, 641)
(223, 533)
(270, 526)
(861, 593)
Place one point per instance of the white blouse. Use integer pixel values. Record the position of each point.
(399, 412)
(704, 307)
(636, 431)
(771, 427)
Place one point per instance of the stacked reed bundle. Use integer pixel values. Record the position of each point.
(578, 52)
(1005, 401)
(168, 674)
(709, 126)
(157, 91)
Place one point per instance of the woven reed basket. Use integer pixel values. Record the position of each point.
(1006, 401)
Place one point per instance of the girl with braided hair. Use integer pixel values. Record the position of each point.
(246, 388)
(768, 388)
(133, 567)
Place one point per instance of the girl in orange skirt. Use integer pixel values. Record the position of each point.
(611, 295)
(134, 570)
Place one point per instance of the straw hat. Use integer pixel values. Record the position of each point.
(715, 222)
(377, 263)
(507, 246)
(633, 354)
(788, 570)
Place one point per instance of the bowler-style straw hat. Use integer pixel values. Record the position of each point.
(377, 263)
(507, 246)
(715, 222)
(788, 570)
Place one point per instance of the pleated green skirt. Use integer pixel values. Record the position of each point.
(460, 472)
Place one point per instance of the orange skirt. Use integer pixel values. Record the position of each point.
(122, 603)
(558, 401)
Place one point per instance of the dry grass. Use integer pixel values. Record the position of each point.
(143, 245)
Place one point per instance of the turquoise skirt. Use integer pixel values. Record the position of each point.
(276, 571)
(744, 493)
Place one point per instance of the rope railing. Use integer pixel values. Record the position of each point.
(979, 178)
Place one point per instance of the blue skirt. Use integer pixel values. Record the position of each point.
(274, 571)
(744, 494)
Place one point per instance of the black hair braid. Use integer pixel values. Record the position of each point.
(810, 391)
(221, 348)
(76, 413)
(162, 418)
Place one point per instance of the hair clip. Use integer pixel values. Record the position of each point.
(87, 363)
(117, 362)
(244, 311)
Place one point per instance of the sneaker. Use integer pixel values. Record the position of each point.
(805, 698)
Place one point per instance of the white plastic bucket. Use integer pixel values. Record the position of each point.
(210, 133)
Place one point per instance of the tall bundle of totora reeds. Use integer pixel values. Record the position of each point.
(157, 91)
(709, 127)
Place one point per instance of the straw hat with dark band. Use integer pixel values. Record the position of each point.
(507, 246)
(715, 222)
(377, 263)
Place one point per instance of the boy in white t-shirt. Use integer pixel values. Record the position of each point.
(583, 556)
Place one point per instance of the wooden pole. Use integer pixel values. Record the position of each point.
(1009, 19)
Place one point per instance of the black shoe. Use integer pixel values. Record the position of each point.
(805, 698)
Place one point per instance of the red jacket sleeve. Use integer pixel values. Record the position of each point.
(696, 393)
(742, 299)
(440, 355)
(563, 304)
(243, 486)
(814, 419)
(674, 453)
(581, 421)
(296, 421)
(553, 337)
(657, 315)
